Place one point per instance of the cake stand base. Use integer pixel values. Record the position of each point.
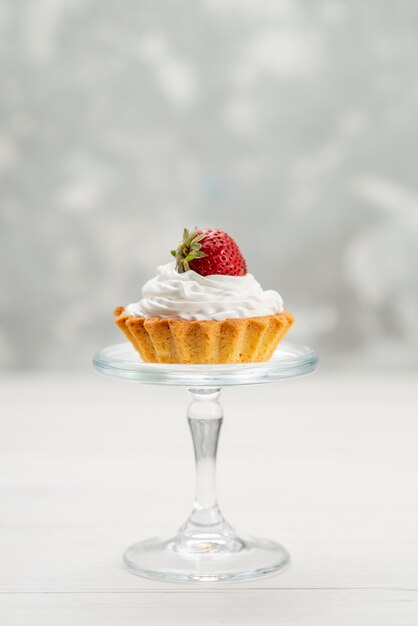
(166, 560)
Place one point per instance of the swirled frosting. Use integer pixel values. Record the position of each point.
(191, 296)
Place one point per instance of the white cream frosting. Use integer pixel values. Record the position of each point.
(194, 297)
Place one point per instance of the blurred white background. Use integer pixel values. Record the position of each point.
(292, 125)
(289, 123)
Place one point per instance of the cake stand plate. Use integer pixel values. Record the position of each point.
(206, 549)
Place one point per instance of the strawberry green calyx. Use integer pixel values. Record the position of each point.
(189, 249)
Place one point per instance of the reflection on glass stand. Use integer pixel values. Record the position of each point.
(206, 548)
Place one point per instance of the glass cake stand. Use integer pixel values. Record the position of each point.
(206, 548)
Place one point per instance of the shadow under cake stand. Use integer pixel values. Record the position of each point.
(206, 548)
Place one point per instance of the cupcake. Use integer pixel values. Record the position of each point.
(205, 307)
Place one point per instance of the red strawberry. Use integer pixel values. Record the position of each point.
(209, 251)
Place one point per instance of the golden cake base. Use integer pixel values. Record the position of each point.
(175, 340)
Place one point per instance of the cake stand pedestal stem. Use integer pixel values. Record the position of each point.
(206, 530)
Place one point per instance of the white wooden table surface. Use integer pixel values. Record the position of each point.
(327, 465)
